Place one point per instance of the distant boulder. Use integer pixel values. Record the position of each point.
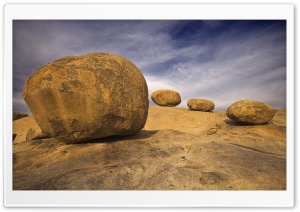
(166, 97)
(79, 98)
(19, 115)
(201, 105)
(250, 112)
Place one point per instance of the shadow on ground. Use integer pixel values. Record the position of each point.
(143, 134)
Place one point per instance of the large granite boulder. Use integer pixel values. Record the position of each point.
(19, 115)
(79, 98)
(250, 112)
(166, 97)
(201, 105)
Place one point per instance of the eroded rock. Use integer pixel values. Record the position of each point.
(250, 112)
(34, 134)
(27, 129)
(172, 154)
(201, 104)
(166, 97)
(79, 98)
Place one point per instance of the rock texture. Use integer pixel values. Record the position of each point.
(174, 151)
(27, 129)
(34, 134)
(18, 115)
(166, 97)
(79, 98)
(201, 105)
(250, 112)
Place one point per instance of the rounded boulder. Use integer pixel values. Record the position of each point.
(164, 97)
(250, 112)
(201, 105)
(79, 98)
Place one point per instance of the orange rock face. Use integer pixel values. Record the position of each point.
(250, 112)
(201, 104)
(166, 97)
(79, 98)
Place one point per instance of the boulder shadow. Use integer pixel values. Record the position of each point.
(234, 123)
(143, 134)
(211, 111)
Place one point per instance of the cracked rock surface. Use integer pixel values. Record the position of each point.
(178, 149)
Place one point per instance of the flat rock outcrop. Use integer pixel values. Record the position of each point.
(201, 104)
(27, 129)
(165, 97)
(178, 149)
(79, 98)
(19, 115)
(34, 134)
(250, 112)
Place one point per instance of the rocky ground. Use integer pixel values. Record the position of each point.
(178, 149)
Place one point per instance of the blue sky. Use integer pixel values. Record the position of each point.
(221, 60)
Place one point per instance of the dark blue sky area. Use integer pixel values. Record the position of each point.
(221, 60)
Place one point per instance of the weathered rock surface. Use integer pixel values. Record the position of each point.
(27, 129)
(250, 112)
(34, 134)
(172, 152)
(166, 97)
(201, 104)
(18, 115)
(80, 98)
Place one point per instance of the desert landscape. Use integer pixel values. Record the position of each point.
(92, 128)
(178, 149)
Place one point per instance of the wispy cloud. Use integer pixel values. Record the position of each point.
(224, 61)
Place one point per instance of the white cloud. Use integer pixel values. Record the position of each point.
(226, 69)
(246, 70)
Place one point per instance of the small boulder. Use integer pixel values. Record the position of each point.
(201, 105)
(19, 115)
(79, 98)
(250, 112)
(166, 97)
